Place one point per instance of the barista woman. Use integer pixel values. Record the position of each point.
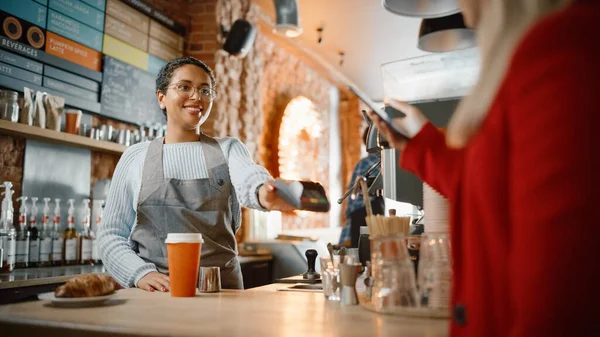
(184, 182)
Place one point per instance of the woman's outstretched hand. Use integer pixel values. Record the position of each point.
(409, 126)
(270, 200)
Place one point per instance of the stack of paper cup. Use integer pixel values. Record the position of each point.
(436, 239)
(436, 209)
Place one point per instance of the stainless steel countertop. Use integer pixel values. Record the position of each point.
(28, 277)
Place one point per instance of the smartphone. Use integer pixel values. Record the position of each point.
(386, 114)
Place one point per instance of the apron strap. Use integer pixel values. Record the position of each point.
(153, 164)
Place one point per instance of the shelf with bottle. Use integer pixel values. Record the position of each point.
(70, 237)
(23, 236)
(85, 239)
(27, 246)
(57, 239)
(46, 237)
(95, 243)
(8, 234)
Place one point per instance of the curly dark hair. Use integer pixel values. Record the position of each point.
(166, 73)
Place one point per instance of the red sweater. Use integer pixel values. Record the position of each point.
(524, 192)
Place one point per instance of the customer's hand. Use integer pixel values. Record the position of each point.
(270, 200)
(154, 281)
(409, 126)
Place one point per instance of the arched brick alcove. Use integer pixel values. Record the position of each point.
(269, 139)
(254, 92)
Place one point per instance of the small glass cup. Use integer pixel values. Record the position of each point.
(73, 121)
(330, 276)
(435, 271)
(209, 280)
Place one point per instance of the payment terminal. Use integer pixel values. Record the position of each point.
(303, 195)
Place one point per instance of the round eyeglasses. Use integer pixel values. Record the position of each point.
(186, 90)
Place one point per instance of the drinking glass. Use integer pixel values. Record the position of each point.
(435, 271)
(330, 276)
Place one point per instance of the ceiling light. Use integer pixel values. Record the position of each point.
(445, 34)
(287, 18)
(421, 8)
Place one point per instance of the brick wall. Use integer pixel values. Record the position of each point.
(202, 37)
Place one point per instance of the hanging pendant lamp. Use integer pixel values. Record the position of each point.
(421, 8)
(445, 34)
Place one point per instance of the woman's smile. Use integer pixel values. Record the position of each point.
(194, 109)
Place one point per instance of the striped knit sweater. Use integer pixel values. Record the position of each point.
(180, 161)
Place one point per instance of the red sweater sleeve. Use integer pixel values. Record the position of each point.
(552, 109)
(427, 156)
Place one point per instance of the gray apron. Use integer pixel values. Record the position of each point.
(188, 206)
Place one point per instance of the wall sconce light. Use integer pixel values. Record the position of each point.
(421, 8)
(287, 21)
(445, 34)
(239, 39)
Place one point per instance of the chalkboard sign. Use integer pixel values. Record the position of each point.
(129, 94)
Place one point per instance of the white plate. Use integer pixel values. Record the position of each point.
(74, 301)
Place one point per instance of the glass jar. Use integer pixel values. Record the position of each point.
(9, 105)
(394, 283)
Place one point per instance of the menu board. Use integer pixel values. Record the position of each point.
(129, 94)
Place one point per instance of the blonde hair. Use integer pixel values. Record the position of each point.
(502, 25)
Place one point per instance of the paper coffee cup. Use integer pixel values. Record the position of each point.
(183, 251)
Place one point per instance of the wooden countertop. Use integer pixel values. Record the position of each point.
(28, 277)
(134, 312)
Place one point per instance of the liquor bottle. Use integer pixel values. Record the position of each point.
(8, 234)
(57, 240)
(34, 238)
(94, 233)
(46, 237)
(23, 235)
(70, 237)
(85, 237)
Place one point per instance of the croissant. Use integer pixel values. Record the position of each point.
(87, 285)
